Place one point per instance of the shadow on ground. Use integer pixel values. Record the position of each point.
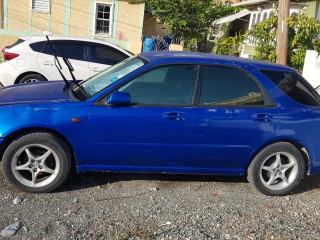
(87, 180)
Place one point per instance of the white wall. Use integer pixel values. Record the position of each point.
(311, 68)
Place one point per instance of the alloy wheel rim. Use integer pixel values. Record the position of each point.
(31, 80)
(279, 171)
(35, 165)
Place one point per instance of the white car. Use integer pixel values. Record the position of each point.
(31, 59)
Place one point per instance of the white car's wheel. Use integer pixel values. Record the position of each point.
(32, 78)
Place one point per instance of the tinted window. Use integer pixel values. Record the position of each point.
(71, 51)
(112, 74)
(37, 47)
(172, 85)
(294, 86)
(227, 86)
(106, 55)
(47, 49)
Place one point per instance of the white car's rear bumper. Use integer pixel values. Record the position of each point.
(8, 74)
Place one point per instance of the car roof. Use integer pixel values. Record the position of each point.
(198, 57)
(38, 38)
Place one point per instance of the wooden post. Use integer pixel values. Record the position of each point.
(282, 34)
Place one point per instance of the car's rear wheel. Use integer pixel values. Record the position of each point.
(32, 78)
(37, 162)
(277, 170)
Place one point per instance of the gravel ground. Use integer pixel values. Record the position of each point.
(149, 206)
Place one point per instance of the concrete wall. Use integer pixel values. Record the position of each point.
(79, 20)
(151, 27)
(130, 21)
(18, 18)
(56, 17)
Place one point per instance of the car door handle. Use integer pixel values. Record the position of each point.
(262, 117)
(95, 69)
(47, 63)
(173, 116)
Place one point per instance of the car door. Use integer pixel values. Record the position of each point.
(153, 131)
(73, 50)
(233, 118)
(103, 56)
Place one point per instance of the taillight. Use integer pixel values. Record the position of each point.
(9, 56)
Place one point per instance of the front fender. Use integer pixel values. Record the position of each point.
(51, 116)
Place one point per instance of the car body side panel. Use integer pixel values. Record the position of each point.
(138, 136)
(160, 169)
(56, 117)
(226, 137)
(297, 124)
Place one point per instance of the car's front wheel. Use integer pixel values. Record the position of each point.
(37, 162)
(277, 170)
(32, 78)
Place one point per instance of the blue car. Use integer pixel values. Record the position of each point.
(165, 112)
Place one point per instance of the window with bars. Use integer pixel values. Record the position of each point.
(103, 19)
(40, 5)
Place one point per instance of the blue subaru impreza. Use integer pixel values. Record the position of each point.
(172, 112)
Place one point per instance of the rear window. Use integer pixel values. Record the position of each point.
(37, 47)
(295, 86)
(16, 43)
(228, 87)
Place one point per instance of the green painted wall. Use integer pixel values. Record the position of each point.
(66, 17)
(5, 13)
(115, 18)
(91, 18)
(1, 14)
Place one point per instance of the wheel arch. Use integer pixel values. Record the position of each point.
(296, 144)
(23, 131)
(22, 75)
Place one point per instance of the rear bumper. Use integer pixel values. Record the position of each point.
(8, 74)
(313, 152)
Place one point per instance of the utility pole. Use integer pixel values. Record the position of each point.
(282, 34)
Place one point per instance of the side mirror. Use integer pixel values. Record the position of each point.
(119, 98)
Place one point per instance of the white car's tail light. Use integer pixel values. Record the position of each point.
(9, 56)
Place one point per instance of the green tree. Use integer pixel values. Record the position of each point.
(189, 20)
(303, 34)
(230, 45)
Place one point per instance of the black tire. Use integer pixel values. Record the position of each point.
(32, 78)
(37, 162)
(277, 170)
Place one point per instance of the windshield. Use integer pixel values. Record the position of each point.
(103, 79)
